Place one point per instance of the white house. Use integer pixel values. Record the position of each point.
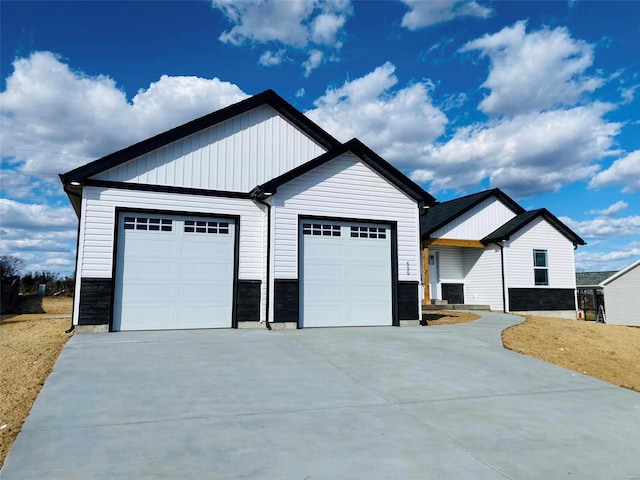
(486, 249)
(252, 215)
(622, 294)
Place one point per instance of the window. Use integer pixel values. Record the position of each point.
(148, 224)
(540, 267)
(368, 232)
(321, 230)
(201, 226)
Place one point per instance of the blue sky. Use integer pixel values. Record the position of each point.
(541, 99)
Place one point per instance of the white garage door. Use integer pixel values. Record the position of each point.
(345, 274)
(173, 272)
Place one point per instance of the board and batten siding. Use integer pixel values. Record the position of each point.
(622, 299)
(344, 187)
(518, 256)
(483, 280)
(478, 222)
(97, 227)
(235, 155)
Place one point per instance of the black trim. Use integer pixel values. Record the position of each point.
(166, 189)
(236, 253)
(533, 299)
(368, 156)
(408, 300)
(286, 301)
(248, 300)
(520, 221)
(95, 301)
(268, 97)
(440, 215)
(393, 226)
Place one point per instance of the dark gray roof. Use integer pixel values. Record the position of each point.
(441, 214)
(592, 279)
(523, 219)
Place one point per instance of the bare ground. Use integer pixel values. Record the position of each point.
(29, 346)
(607, 352)
(446, 317)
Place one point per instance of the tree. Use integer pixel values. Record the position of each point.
(10, 266)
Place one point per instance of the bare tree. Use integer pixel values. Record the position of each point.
(10, 266)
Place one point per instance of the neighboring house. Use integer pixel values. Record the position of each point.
(622, 293)
(486, 249)
(591, 293)
(250, 215)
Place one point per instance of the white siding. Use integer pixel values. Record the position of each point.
(344, 187)
(235, 155)
(478, 222)
(483, 280)
(518, 254)
(451, 265)
(95, 255)
(622, 299)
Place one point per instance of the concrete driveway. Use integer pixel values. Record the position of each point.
(442, 402)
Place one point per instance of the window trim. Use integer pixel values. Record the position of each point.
(541, 268)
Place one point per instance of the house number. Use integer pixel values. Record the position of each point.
(408, 269)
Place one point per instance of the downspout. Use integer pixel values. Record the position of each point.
(504, 297)
(268, 279)
(72, 327)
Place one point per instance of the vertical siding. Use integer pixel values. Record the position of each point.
(622, 299)
(98, 223)
(478, 222)
(483, 278)
(235, 155)
(344, 187)
(519, 256)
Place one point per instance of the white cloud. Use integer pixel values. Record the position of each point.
(534, 71)
(271, 59)
(628, 94)
(612, 260)
(527, 154)
(300, 93)
(306, 25)
(36, 216)
(325, 27)
(54, 118)
(313, 62)
(605, 227)
(396, 124)
(426, 13)
(612, 209)
(624, 171)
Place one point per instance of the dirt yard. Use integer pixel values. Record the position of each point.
(446, 317)
(29, 346)
(607, 352)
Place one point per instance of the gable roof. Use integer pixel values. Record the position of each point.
(268, 97)
(622, 272)
(443, 213)
(522, 220)
(592, 279)
(364, 153)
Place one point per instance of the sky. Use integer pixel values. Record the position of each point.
(539, 99)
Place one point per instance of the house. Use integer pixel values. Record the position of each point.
(485, 248)
(591, 293)
(249, 216)
(621, 291)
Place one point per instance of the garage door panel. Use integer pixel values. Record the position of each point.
(176, 279)
(345, 277)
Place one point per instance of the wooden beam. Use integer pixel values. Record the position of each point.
(454, 242)
(425, 276)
